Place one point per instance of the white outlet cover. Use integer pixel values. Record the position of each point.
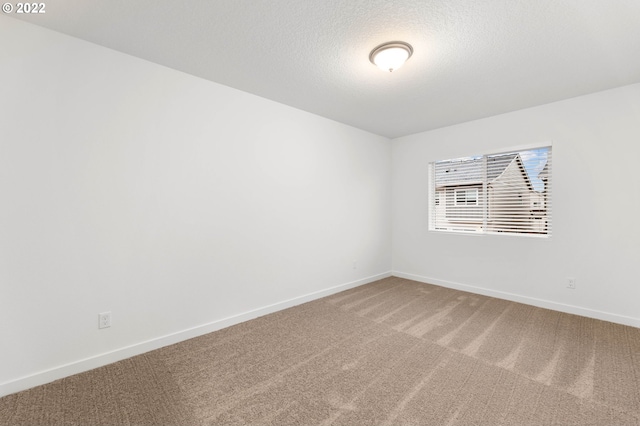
(104, 320)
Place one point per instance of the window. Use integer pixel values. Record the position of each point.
(506, 192)
(466, 197)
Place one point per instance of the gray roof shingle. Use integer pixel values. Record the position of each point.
(469, 171)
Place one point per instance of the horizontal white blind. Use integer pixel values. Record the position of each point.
(498, 193)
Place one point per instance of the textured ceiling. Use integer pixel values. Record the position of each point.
(472, 58)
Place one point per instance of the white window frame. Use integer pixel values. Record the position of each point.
(507, 216)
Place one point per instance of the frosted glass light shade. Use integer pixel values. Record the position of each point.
(391, 56)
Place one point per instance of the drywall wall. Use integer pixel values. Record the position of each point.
(179, 205)
(595, 209)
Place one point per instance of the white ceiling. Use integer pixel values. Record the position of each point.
(472, 58)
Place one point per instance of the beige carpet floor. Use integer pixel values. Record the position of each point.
(393, 352)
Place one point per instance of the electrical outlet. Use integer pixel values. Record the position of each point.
(104, 320)
(571, 283)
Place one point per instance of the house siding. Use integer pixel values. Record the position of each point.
(509, 201)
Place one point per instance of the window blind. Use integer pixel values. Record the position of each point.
(507, 192)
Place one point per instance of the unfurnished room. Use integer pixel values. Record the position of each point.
(305, 212)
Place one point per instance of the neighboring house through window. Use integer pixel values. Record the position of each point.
(497, 193)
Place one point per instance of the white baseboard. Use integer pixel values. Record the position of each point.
(86, 364)
(541, 303)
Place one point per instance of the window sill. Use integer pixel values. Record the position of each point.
(490, 234)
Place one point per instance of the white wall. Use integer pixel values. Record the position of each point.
(596, 208)
(179, 205)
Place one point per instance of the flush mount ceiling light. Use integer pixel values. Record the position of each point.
(391, 56)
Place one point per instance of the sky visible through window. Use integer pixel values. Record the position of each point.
(534, 161)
